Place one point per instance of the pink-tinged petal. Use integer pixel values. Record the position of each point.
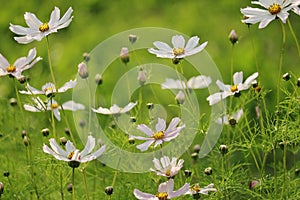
(192, 43)
(199, 82)
(99, 152)
(178, 41)
(115, 109)
(163, 187)
(68, 85)
(165, 161)
(237, 78)
(141, 138)
(56, 148)
(101, 110)
(70, 147)
(3, 63)
(173, 84)
(158, 142)
(173, 124)
(145, 145)
(195, 50)
(142, 195)
(56, 114)
(89, 146)
(54, 18)
(47, 150)
(32, 21)
(128, 107)
(161, 125)
(163, 46)
(73, 106)
(157, 164)
(184, 189)
(161, 54)
(145, 129)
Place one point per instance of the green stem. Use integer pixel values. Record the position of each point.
(90, 107)
(85, 184)
(50, 63)
(294, 36)
(73, 184)
(19, 100)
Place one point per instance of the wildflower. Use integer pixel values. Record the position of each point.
(165, 167)
(160, 135)
(124, 55)
(179, 50)
(115, 109)
(232, 120)
(197, 82)
(273, 9)
(196, 190)
(49, 88)
(233, 37)
(72, 155)
(37, 30)
(39, 106)
(20, 65)
(165, 191)
(83, 70)
(228, 90)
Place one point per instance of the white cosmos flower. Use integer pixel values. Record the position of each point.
(165, 191)
(19, 65)
(49, 88)
(272, 9)
(115, 109)
(195, 189)
(160, 135)
(195, 82)
(37, 30)
(230, 90)
(39, 106)
(231, 119)
(179, 50)
(165, 167)
(73, 155)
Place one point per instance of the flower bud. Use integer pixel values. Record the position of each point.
(86, 57)
(223, 148)
(176, 61)
(63, 140)
(187, 173)
(109, 190)
(23, 133)
(45, 132)
(150, 106)
(254, 83)
(297, 171)
(26, 140)
(194, 156)
(253, 184)
(67, 131)
(82, 123)
(70, 187)
(233, 37)
(208, 171)
(1, 188)
(142, 77)
(232, 121)
(98, 79)
(131, 140)
(13, 101)
(197, 148)
(298, 82)
(6, 174)
(180, 97)
(132, 38)
(83, 70)
(286, 76)
(124, 55)
(132, 119)
(22, 79)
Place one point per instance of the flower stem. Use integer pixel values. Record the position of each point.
(19, 100)
(50, 63)
(73, 184)
(85, 183)
(294, 36)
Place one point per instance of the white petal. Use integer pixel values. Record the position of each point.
(162, 46)
(161, 54)
(192, 43)
(115, 109)
(99, 152)
(161, 125)
(56, 148)
(173, 84)
(144, 146)
(128, 107)
(3, 62)
(56, 114)
(178, 41)
(157, 164)
(185, 188)
(145, 129)
(172, 126)
(55, 15)
(195, 50)
(71, 105)
(101, 110)
(89, 146)
(266, 21)
(66, 19)
(199, 82)
(163, 187)
(141, 195)
(70, 147)
(237, 78)
(32, 21)
(165, 161)
(47, 150)
(68, 85)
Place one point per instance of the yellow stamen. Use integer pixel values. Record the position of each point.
(159, 135)
(70, 155)
(48, 89)
(274, 9)
(168, 172)
(54, 105)
(195, 188)
(11, 68)
(162, 195)
(178, 51)
(234, 88)
(44, 27)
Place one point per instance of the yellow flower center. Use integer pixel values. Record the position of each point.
(48, 89)
(11, 68)
(195, 188)
(70, 155)
(162, 195)
(274, 9)
(44, 27)
(168, 172)
(234, 88)
(54, 105)
(178, 51)
(159, 135)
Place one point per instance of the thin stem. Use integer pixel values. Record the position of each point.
(85, 183)
(50, 63)
(90, 107)
(294, 36)
(73, 184)
(19, 100)
(253, 48)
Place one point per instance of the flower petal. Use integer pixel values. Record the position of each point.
(56, 148)
(145, 129)
(161, 125)
(144, 146)
(178, 41)
(89, 146)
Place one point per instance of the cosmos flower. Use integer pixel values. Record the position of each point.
(165, 167)
(195, 189)
(195, 82)
(272, 9)
(228, 90)
(37, 30)
(160, 135)
(165, 191)
(40, 106)
(72, 155)
(115, 109)
(231, 119)
(19, 65)
(49, 88)
(179, 50)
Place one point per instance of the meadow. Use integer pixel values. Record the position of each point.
(236, 127)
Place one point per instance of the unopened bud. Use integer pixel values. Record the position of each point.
(233, 37)
(197, 148)
(67, 131)
(83, 70)
(63, 140)
(254, 83)
(124, 55)
(286, 76)
(131, 140)
(132, 38)
(142, 77)
(86, 57)
(98, 79)
(297, 171)
(150, 106)
(70, 187)
(13, 101)
(194, 156)
(26, 140)
(253, 184)
(132, 119)
(1, 188)
(175, 61)
(45, 132)
(298, 82)
(22, 79)
(223, 148)
(109, 190)
(23, 133)
(82, 123)
(187, 173)
(180, 97)
(208, 171)
(6, 174)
